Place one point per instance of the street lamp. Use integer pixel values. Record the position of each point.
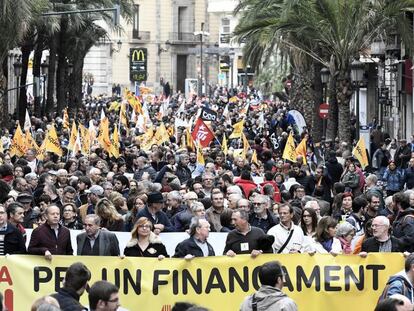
(44, 66)
(324, 79)
(18, 66)
(357, 76)
(231, 57)
(202, 33)
(70, 69)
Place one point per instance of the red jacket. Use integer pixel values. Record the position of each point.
(246, 185)
(276, 196)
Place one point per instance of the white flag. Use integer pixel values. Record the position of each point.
(27, 124)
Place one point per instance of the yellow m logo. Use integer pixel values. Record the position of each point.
(138, 55)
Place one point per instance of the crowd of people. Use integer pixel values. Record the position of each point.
(323, 202)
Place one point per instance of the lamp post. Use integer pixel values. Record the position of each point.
(231, 56)
(324, 79)
(18, 73)
(202, 33)
(44, 66)
(357, 76)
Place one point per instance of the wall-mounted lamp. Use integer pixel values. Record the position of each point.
(118, 46)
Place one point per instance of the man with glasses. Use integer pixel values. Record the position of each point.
(181, 220)
(75, 284)
(261, 216)
(104, 296)
(96, 242)
(381, 241)
(270, 295)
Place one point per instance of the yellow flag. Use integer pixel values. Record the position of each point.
(103, 134)
(224, 145)
(52, 142)
(254, 157)
(40, 155)
(115, 143)
(18, 143)
(200, 157)
(123, 115)
(246, 146)
(189, 140)
(360, 153)
(238, 129)
(85, 139)
(290, 151)
(301, 150)
(72, 137)
(114, 106)
(30, 142)
(161, 135)
(65, 119)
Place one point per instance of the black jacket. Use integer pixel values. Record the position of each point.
(371, 245)
(403, 228)
(68, 300)
(335, 169)
(189, 246)
(13, 241)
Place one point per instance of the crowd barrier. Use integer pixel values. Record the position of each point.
(319, 282)
(170, 240)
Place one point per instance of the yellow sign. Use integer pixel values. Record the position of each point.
(360, 152)
(319, 282)
(138, 55)
(290, 151)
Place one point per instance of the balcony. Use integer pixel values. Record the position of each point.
(183, 38)
(141, 35)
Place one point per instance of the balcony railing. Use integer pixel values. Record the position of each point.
(141, 35)
(183, 37)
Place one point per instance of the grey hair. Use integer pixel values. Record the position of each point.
(373, 178)
(195, 206)
(47, 307)
(194, 224)
(235, 188)
(96, 219)
(243, 213)
(175, 195)
(306, 199)
(384, 220)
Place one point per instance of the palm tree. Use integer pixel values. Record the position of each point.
(14, 19)
(334, 33)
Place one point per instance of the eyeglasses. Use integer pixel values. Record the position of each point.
(258, 203)
(375, 226)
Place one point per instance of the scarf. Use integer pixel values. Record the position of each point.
(327, 245)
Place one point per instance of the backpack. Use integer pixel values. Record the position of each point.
(384, 294)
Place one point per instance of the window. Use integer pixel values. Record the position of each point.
(225, 24)
(135, 22)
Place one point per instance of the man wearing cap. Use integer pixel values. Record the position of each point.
(155, 214)
(25, 200)
(95, 193)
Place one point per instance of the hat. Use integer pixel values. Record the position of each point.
(24, 198)
(95, 189)
(155, 197)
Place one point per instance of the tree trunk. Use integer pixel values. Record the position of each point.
(4, 109)
(26, 50)
(62, 68)
(344, 95)
(332, 128)
(317, 123)
(75, 86)
(50, 101)
(37, 59)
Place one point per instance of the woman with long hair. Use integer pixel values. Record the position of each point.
(110, 218)
(325, 237)
(309, 222)
(70, 217)
(144, 242)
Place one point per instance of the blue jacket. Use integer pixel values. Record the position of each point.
(409, 177)
(394, 180)
(399, 284)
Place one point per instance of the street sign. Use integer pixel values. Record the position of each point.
(138, 64)
(323, 110)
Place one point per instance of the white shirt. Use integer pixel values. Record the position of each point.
(281, 233)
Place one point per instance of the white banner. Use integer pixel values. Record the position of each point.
(170, 240)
